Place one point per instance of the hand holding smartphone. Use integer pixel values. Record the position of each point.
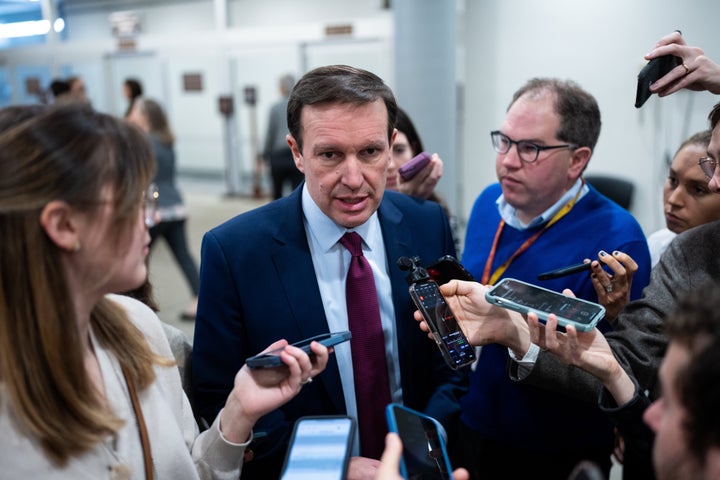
(525, 298)
(413, 167)
(652, 72)
(272, 358)
(425, 294)
(424, 454)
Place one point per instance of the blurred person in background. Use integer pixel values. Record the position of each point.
(132, 89)
(150, 117)
(276, 151)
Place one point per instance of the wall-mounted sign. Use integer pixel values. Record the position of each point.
(192, 82)
(32, 86)
(126, 23)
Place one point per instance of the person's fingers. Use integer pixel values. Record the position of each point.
(390, 460)
(568, 293)
(551, 334)
(534, 327)
(321, 357)
(461, 474)
(666, 43)
(630, 265)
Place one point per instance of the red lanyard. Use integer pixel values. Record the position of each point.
(488, 279)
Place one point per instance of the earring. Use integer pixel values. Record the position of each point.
(76, 247)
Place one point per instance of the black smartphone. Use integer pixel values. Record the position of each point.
(425, 294)
(417, 163)
(654, 70)
(448, 268)
(525, 298)
(564, 271)
(272, 358)
(424, 454)
(319, 448)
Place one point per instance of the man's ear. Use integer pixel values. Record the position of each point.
(58, 222)
(297, 155)
(579, 160)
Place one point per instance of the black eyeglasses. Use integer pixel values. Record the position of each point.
(527, 151)
(707, 165)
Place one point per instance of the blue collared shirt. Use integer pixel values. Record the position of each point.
(509, 213)
(331, 262)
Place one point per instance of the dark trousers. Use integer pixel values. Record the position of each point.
(282, 170)
(174, 234)
(487, 460)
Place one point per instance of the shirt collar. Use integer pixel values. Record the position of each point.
(509, 213)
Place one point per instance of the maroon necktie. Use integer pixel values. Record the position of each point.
(372, 389)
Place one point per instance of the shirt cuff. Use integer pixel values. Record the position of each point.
(527, 362)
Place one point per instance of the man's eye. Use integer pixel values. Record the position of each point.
(370, 152)
(527, 148)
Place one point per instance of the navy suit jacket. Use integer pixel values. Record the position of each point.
(258, 285)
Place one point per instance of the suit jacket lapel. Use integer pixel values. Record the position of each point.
(398, 240)
(293, 262)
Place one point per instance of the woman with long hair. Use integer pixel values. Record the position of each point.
(87, 387)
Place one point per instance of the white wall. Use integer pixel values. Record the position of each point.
(500, 44)
(262, 41)
(600, 45)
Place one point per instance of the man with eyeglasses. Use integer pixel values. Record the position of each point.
(539, 217)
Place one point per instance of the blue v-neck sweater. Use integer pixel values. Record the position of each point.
(522, 415)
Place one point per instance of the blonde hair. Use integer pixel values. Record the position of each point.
(69, 153)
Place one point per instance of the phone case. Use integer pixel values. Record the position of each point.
(424, 451)
(449, 337)
(270, 360)
(417, 163)
(447, 268)
(653, 71)
(581, 314)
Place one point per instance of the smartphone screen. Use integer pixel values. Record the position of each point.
(449, 337)
(524, 297)
(319, 449)
(424, 454)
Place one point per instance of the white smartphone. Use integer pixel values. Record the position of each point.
(424, 454)
(524, 298)
(319, 448)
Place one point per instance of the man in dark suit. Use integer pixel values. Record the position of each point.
(279, 271)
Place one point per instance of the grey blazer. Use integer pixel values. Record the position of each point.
(691, 261)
